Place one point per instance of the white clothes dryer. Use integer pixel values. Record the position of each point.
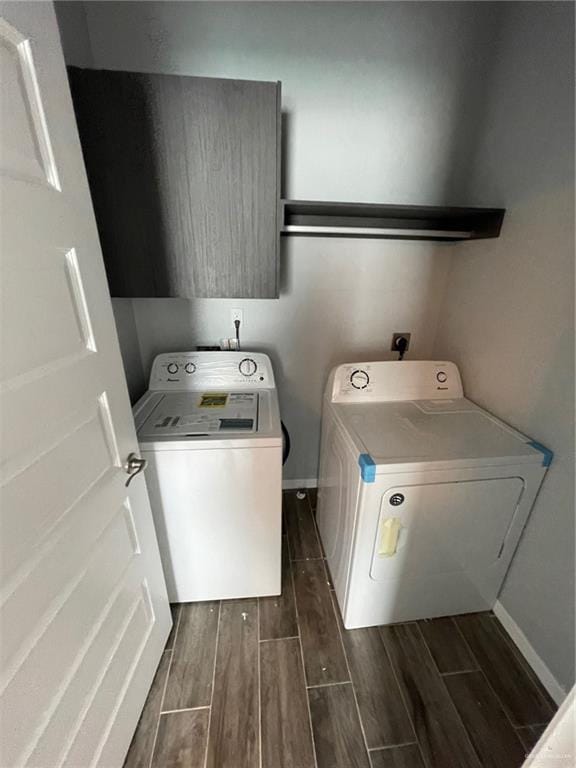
(209, 427)
(423, 495)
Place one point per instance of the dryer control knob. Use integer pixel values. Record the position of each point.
(172, 368)
(189, 367)
(442, 377)
(359, 379)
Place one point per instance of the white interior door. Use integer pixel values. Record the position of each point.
(83, 608)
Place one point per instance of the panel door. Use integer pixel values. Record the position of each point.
(83, 607)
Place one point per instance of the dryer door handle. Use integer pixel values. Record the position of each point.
(389, 536)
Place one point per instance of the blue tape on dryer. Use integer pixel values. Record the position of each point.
(367, 467)
(548, 454)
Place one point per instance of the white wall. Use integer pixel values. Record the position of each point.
(508, 318)
(377, 107)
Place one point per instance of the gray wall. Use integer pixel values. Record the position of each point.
(381, 100)
(129, 341)
(74, 35)
(75, 40)
(508, 317)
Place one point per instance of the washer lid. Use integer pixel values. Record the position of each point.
(432, 431)
(202, 413)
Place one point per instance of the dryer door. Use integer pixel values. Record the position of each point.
(444, 528)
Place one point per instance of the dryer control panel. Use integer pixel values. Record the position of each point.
(394, 380)
(181, 371)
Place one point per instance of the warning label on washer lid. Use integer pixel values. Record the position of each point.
(213, 400)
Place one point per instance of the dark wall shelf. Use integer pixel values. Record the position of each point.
(308, 218)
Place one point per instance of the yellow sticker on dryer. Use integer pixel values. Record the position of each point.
(213, 400)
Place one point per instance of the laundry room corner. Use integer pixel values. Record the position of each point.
(507, 314)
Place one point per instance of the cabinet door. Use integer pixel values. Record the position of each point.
(184, 175)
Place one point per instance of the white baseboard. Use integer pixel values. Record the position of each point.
(292, 485)
(538, 666)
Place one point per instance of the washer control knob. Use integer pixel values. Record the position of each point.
(189, 367)
(172, 367)
(441, 376)
(247, 367)
(359, 379)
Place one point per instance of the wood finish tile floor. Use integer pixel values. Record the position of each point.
(277, 682)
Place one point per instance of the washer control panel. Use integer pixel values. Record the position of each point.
(211, 370)
(395, 380)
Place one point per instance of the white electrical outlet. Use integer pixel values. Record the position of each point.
(236, 314)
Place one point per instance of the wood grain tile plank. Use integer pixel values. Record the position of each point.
(529, 735)
(175, 610)
(286, 735)
(407, 756)
(190, 679)
(140, 751)
(181, 741)
(490, 732)
(506, 670)
(301, 528)
(329, 579)
(278, 614)
(233, 740)
(447, 646)
(324, 659)
(312, 494)
(443, 741)
(337, 733)
(320, 542)
(382, 711)
(526, 736)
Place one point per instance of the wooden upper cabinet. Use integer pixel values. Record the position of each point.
(184, 174)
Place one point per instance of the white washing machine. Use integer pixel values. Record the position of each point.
(209, 427)
(422, 494)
